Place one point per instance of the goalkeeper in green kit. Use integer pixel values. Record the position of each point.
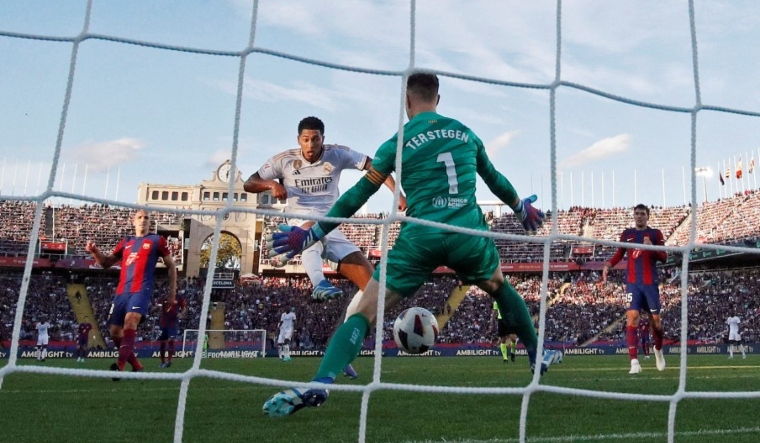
(441, 158)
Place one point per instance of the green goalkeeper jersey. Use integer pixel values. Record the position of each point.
(441, 158)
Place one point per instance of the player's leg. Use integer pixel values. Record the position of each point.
(43, 354)
(652, 294)
(352, 263)
(171, 340)
(512, 347)
(162, 345)
(731, 348)
(502, 332)
(636, 302)
(311, 259)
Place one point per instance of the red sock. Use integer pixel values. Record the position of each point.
(117, 342)
(126, 348)
(163, 349)
(657, 338)
(632, 339)
(171, 349)
(134, 362)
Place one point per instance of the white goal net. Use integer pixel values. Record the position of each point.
(226, 343)
(560, 84)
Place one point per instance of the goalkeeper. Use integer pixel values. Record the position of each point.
(441, 158)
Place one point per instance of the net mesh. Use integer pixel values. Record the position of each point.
(393, 218)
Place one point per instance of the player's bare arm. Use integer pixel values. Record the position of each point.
(105, 261)
(391, 184)
(256, 184)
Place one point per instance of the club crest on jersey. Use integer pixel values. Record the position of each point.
(146, 245)
(297, 164)
(328, 168)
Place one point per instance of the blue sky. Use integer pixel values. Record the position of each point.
(161, 116)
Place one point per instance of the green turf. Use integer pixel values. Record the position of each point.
(52, 408)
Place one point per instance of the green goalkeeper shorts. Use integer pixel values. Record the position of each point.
(413, 258)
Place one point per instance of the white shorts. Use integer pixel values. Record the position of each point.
(735, 337)
(285, 334)
(335, 245)
(43, 341)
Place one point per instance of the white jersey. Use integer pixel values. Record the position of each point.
(312, 187)
(733, 328)
(287, 320)
(42, 330)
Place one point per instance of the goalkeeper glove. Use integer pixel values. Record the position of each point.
(530, 217)
(291, 240)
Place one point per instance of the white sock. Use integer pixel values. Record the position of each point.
(311, 259)
(287, 351)
(353, 306)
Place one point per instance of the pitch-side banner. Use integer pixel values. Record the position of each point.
(151, 351)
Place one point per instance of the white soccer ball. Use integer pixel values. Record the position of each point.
(415, 330)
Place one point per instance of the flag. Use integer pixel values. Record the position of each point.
(728, 172)
(720, 176)
(739, 169)
(752, 165)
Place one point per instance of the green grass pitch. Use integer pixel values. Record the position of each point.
(55, 408)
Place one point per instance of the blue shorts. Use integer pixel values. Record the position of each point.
(128, 302)
(643, 297)
(167, 333)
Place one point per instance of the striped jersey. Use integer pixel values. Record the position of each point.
(312, 187)
(642, 263)
(139, 256)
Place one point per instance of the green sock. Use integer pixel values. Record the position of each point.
(343, 348)
(513, 347)
(514, 310)
(503, 347)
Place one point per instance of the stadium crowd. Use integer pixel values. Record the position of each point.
(581, 309)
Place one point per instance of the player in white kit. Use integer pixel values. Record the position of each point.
(308, 178)
(43, 337)
(287, 325)
(734, 337)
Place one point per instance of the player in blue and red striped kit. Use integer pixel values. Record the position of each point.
(83, 336)
(642, 290)
(138, 255)
(644, 335)
(169, 324)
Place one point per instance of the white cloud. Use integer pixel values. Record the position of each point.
(500, 142)
(604, 148)
(100, 156)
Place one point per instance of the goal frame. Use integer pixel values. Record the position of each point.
(263, 333)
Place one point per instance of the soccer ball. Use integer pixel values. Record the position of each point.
(415, 330)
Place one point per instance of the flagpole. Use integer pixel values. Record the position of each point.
(683, 183)
(39, 178)
(60, 185)
(613, 188)
(15, 173)
(572, 191)
(118, 175)
(603, 206)
(84, 183)
(592, 189)
(663, 188)
(26, 181)
(108, 176)
(745, 180)
(583, 188)
(73, 183)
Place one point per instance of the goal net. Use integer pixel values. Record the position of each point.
(561, 84)
(226, 343)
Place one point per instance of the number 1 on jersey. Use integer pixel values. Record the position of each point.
(451, 171)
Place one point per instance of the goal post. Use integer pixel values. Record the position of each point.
(227, 343)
